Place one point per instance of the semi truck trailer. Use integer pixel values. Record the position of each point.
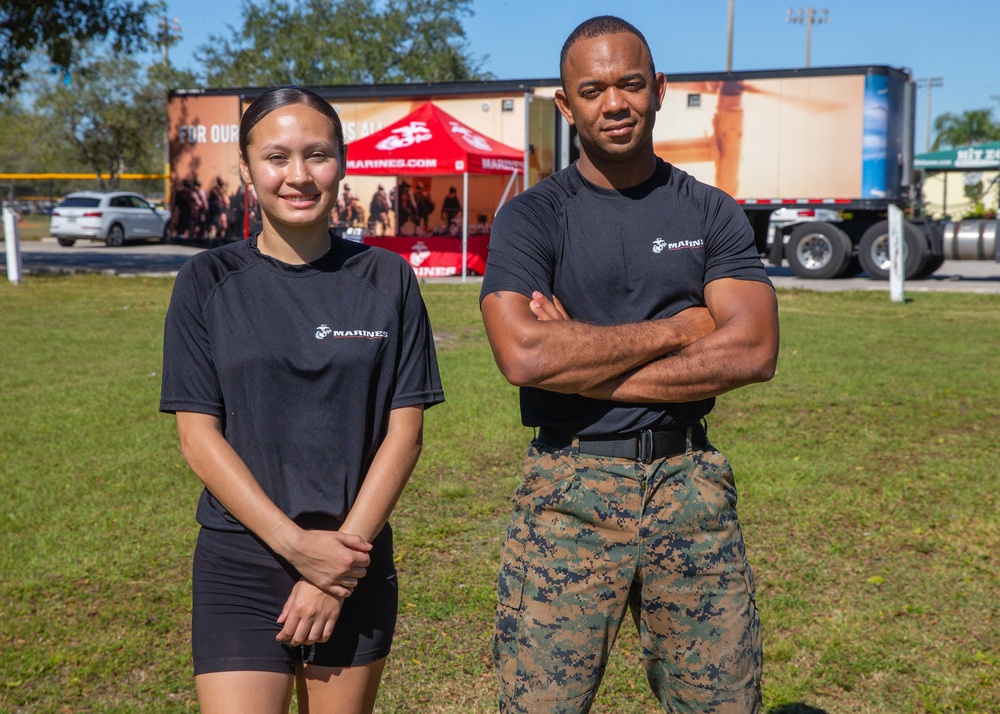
(814, 156)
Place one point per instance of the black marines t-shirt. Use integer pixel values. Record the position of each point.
(616, 257)
(303, 364)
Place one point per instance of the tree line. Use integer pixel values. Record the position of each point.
(974, 126)
(76, 95)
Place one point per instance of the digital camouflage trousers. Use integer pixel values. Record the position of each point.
(591, 536)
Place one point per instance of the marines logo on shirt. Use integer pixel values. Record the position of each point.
(659, 245)
(686, 244)
(325, 330)
(322, 331)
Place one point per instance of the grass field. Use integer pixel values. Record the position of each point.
(30, 228)
(868, 494)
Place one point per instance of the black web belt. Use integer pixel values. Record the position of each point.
(645, 446)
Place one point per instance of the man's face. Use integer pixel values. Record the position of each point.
(611, 95)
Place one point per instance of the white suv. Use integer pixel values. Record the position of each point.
(111, 216)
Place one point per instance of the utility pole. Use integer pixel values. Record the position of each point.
(729, 40)
(929, 83)
(808, 16)
(170, 31)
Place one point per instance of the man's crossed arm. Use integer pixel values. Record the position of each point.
(696, 354)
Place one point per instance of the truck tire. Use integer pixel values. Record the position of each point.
(873, 251)
(853, 268)
(818, 251)
(933, 263)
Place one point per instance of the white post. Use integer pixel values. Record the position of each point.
(465, 224)
(527, 138)
(511, 183)
(12, 241)
(897, 258)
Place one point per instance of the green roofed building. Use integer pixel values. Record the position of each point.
(961, 182)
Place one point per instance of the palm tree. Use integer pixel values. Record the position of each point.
(973, 126)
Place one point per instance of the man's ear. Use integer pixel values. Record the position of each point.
(562, 104)
(660, 87)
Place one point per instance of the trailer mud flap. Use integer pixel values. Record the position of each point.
(777, 250)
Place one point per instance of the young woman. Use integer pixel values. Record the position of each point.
(298, 366)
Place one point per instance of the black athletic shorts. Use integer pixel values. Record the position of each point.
(239, 589)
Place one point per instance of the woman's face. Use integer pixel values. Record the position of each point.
(294, 163)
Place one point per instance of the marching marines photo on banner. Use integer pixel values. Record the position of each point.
(209, 202)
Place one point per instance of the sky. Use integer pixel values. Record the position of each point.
(516, 40)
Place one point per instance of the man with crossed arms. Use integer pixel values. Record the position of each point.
(622, 296)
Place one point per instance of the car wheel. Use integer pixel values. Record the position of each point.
(818, 251)
(66, 242)
(873, 251)
(168, 236)
(116, 236)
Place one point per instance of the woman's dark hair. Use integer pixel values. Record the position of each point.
(283, 97)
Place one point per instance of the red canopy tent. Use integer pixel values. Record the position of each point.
(431, 142)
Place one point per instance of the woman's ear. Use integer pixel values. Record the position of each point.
(343, 162)
(245, 171)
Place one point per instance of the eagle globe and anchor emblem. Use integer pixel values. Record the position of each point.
(419, 253)
(415, 132)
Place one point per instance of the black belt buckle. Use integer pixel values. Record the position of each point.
(645, 447)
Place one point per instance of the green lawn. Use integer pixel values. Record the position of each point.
(867, 472)
(30, 228)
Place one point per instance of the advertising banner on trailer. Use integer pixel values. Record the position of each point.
(209, 201)
(788, 136)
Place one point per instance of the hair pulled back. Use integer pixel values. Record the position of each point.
(283, 97)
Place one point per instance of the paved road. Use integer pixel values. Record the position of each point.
(47, 257)
(962, 276)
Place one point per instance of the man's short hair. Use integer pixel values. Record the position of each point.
(598, 27)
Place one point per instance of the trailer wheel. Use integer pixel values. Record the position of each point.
(933, 263)
(818, 251)
(873, 251)
(853, 268)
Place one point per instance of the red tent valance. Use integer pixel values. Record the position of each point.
(430, 142)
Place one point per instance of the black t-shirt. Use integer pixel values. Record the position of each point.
(616, 257)
(303, 364)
